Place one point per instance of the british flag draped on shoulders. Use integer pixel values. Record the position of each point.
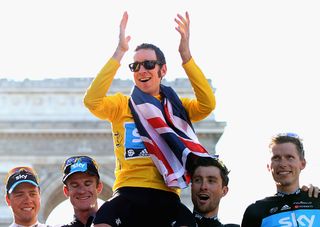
(167, 133)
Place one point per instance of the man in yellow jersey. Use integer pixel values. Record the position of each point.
(145, 126)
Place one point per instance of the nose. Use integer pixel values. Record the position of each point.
(27, 198)
(81, 189)
(203, 185)
(283, 162)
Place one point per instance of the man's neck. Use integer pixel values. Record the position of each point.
(287, 190)
(211, 214)
(83, 216)
(30, 223)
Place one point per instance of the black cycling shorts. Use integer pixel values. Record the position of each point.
(133, 206)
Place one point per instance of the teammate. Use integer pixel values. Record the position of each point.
(152, 134)
(23, 196)
(82, 186)
(290, 206)
(209, 185)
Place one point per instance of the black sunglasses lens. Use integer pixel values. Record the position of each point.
(134, 67)
(149, 64)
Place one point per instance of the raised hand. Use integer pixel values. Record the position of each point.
(183, 27)
(123, 45)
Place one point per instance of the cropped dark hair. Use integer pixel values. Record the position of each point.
(209, 161)
(159, 53)
(289, 138)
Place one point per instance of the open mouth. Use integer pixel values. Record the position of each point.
(143, 80)
(203, 197)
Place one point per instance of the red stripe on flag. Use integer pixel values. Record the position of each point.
(194, 146)
(154, 149)
(157, 122)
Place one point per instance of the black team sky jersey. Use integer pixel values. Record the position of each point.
(292, 210)
(77, 223)
(210, 222)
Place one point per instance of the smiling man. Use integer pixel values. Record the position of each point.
(152, 132)
(82, 186)
(290, 206)
(23, 196)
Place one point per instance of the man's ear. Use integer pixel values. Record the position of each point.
(65, 191)
(225, 190)
(269, 167)
(303, 164)
(8, 200)
(163, 71)
(99, 187)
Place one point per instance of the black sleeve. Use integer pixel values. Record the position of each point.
(251, 217)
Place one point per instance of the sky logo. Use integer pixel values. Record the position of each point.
(295, 218)
(21, 176)
(132, 137)
(78, 167)
(293, 221)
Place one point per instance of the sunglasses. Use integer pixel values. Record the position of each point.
(81, 159)
(289, 134)
(147, 64)
(294, 138)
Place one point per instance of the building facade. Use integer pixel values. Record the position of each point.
(44, 122)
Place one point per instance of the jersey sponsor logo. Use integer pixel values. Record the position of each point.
(302, 220)
(303, 204)
(285, 207)
(307, 218)
(134, 147)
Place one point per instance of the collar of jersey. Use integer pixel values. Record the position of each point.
(285, 194)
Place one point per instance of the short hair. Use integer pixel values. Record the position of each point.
(212, 161)
(289, 138)
(159, 53)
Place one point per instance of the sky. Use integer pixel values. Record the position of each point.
(261, 56)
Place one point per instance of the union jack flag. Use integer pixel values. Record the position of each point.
(167, 133)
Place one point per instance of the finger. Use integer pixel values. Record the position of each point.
(188, 18)
(311, 190)
(180, 28)
(124, 20)
(316, 192)
(304, 188)
(182, 19)
(178, 22)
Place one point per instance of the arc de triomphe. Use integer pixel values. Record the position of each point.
(43, 122)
